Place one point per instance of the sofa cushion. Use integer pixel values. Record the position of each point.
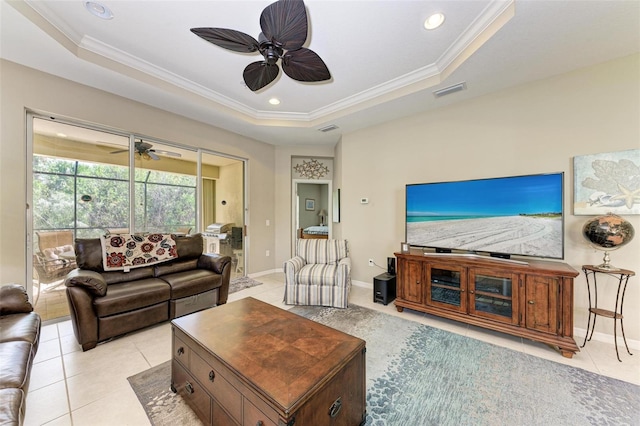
(188, 283)
(175, 266)
(89, 254)
(20, 328)
(115, 277)
(128, 296)
(14, 300)
(18, 356)
(189, 246)
(12, 406)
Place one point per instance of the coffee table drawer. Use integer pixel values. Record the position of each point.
(217, 385)
(181, 351)
(253, 416)
(191, 392)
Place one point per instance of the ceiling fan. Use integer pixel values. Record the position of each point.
(143, 149)
(284, 31)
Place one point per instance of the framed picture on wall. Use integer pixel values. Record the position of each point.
(607, 183)
(309, 204)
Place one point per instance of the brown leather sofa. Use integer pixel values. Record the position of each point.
(19, 338)
(104, 305)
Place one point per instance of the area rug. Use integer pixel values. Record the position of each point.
(419, 375)
(240, 283)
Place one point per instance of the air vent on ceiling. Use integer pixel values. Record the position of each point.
(449, 90)
(328, 128)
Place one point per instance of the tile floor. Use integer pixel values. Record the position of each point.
(71, 387)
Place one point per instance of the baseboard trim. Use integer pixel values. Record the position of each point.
(261, 273)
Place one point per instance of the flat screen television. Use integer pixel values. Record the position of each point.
(505, 216)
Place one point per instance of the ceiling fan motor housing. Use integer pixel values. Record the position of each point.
(271, 52)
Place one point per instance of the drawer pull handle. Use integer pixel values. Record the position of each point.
(531, 302)
(260, 423)
(180, 350)
(212, 375)
(189, 387)
(335, 408)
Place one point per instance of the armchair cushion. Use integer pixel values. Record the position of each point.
(321, 251)
(54, 252)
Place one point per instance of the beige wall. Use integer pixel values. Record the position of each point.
(229, 189)
(24, 88)
(283, 218)
(534, 128)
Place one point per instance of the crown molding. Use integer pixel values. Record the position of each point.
(490, 20)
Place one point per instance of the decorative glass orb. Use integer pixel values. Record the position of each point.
(607, 233)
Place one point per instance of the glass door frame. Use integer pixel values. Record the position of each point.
(31, 115)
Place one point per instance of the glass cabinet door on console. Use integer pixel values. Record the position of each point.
(493, 294)
(446, 286)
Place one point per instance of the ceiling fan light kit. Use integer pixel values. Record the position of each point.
(284, 31)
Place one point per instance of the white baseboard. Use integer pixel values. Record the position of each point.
(363, 284)
(261, 273)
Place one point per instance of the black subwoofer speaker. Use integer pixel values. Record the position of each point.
(384, 288)
(391, 265)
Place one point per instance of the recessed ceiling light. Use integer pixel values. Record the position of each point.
(274, 101)
(434, 21)
(61, 135)
(98, 9)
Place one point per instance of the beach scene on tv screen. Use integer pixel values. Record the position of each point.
(518, 215)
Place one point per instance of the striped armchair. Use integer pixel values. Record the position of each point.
(319, 274)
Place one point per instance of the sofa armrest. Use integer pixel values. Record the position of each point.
(213, 262)
(92, 281)
(83, 317)
(14, 300)
(220, 265)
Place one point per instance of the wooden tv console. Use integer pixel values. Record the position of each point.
(532, 299)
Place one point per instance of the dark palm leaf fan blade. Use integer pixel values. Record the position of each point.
(228, 39)
(305, 65)
(259, 74)
(285, 23)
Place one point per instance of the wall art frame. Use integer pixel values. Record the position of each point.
(309, 204)
(607, 183)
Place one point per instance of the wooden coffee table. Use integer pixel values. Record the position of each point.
(250, 363)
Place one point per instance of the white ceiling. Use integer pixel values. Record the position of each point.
(384, 64)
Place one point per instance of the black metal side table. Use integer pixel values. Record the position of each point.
(622, 275)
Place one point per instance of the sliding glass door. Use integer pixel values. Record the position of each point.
(88, 181)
